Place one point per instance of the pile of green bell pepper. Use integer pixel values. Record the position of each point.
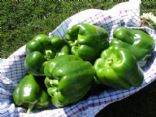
(42, 48)
(68, 79)
(119, 65)
(71, 67)
(87, 40)
(31, 93)
(118, 68)
(138, 42)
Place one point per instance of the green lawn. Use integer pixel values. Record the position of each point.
(20, 21)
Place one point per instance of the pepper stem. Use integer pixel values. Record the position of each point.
(110, 61)
(49, 54)
(31, 106)
(54, 82)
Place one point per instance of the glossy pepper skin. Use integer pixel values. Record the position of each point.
(137, 41)
(68, 79)
(118, 68)
(29, 93)
(42, 48)
(87, 40)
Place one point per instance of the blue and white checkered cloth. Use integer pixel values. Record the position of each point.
(12, 69)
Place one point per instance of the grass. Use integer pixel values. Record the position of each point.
(21, 20)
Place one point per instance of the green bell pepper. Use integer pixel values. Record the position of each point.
(30, 93)
(118, 68)
(137, 41)
(68, 79)
(42, 48)
(87, 40)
